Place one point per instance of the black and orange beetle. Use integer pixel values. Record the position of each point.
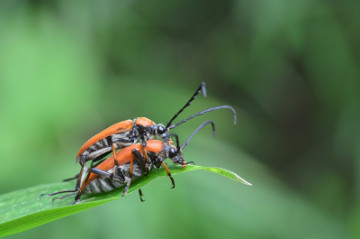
(132, 164)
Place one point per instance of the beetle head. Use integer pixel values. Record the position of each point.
(175, 154)
(162, 131)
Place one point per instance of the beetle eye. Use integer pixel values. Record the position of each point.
(161, 129)
(172, 152)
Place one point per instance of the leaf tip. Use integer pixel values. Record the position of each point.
(243, 181)
(248, 183)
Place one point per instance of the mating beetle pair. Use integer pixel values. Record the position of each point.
(139, 152)
(107, 176)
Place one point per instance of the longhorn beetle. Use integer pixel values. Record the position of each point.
(128, 132)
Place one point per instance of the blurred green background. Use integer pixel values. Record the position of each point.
(68, 69)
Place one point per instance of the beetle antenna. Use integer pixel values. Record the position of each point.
(177, 140)
(200, 127)
(200, 89)
(205, 111)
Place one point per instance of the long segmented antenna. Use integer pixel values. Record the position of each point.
(206, 111)
(200, 127)
(200, 89)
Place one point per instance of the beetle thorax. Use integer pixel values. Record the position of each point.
(145, 127)
(143, 121)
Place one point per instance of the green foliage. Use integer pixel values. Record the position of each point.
(69, 69)
(24, 209)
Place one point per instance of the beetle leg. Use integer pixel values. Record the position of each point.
(87, 176)
(139, 159)
(79, 186)
(79, 192)
(141, 195)
(59, 192)
(78, 181)
(114, 153)
(98, 161)
(127, 186)
(62, 197)
(145, 155)
(72, 178)
(116, 163)
(71, 192)
(110, 142)
(100, 172)
(131, 174)
(144, 150)
(83, 165)
(169, 174)
(77, 197)
(146, 160)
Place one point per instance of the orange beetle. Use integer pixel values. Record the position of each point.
(132, 164)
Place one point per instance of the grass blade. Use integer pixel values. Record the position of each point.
(24, 209)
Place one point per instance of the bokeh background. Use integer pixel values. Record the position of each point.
(68, 69)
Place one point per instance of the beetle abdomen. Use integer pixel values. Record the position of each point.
(103, 147)
(105, 184)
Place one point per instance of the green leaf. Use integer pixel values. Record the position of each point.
(24, 209)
